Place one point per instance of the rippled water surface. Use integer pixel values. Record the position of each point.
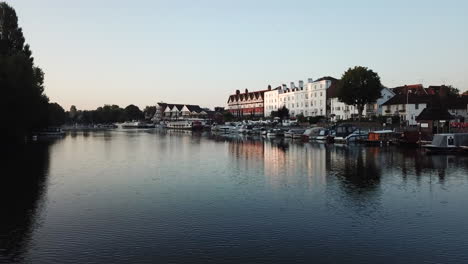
(178, 197)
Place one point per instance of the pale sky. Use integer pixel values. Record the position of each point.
(198, 52)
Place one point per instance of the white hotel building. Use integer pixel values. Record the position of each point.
(309, 100)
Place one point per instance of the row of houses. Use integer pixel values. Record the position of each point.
(165, 111)
(320, 98)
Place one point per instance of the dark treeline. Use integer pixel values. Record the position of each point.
(109, 114)
(25, 107)
(24, 104)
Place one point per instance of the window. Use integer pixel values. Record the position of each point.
(416, 106)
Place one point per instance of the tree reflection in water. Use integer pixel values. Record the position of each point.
(24, 180)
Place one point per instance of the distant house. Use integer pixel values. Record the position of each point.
(166, 111)
(407, 107)
(458, 107)
(247, 104)
(410, 101)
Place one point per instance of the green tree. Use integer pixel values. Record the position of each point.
(453, 91)
(56, 115)
(282, 113)
(132, 112)
(227, 116)
(301, 118)
(359, 86)
(149, 112)
(73, 113)
(24, 103)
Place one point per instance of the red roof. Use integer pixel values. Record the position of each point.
(246, 96)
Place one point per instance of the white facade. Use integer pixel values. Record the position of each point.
(385, 95)
(407, 112)
(309, 100)
(342, 111)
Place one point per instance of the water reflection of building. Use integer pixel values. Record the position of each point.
(355, 169)
(22, 191)
(249, 150)
(295, 164)
(283, 163)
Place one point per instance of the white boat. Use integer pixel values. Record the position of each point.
(225, 129)
(137, 124)
(448, 143)
(345, 133)
(312, 133)
(185, 124)
(244, 129)
(275, 133)
(294, 133)
(357, 135)
(324, 135)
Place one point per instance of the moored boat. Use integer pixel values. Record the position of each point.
(464, 149)
(311, 133)
(448, 143)
(342, 132)
(138, 124)
(381, 137)
(297, 134)
(51, 132)
(184, 125)
(294, 133)
(275, 133)
(323, 136)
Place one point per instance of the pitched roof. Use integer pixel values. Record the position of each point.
(194, 108)
(326, 78)
(414, 88)
(432, 113)
(191, 108)
(409, 99)
(246, 96)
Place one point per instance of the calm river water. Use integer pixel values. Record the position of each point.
(178, 197)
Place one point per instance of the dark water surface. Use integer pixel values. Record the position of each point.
(160, 197)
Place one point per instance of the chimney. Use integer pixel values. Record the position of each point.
(284, 87)
(292, 86)
(246, 91)
(310, 80)
(269, 87)
(237, 92)
(301, 84)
